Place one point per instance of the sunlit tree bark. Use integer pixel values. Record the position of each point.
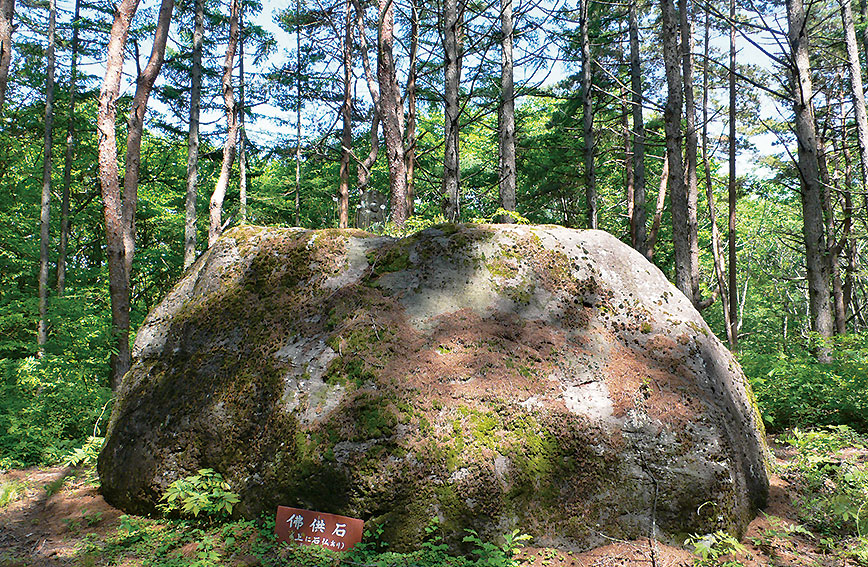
(809, 177)
(215, 208)
(590, 176)
(70, 149)
(119, 283)
(452, 59)
(346, 117)
(638, 216)
(506, 123)
(193, 136)
(7, 11)
(45, 213)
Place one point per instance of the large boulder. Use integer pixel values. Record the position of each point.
(494, 377)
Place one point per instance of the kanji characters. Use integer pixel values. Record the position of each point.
(318, 525)
(295, 521)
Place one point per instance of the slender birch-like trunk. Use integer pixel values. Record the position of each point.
(506, 124)
(410, 144)
(364, 170)
(691, 183)
(452, 16)
(590, 176)
(629, 181)
(215, 208)
(857, 92)
(68, 156)
(45, 212)
(719, 273)
(7, 11)
(298, 106)
(658, 209)
(732, 190)
(638, 218)
(346, 116)
(242, 134)
(193, 137)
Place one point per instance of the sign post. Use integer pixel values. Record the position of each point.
(304, 527)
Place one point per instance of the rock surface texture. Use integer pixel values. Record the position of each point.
(494, 377)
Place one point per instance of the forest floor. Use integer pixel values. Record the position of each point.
(56, 517)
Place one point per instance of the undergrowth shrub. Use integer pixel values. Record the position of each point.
(202, 493)
(48, 406)
(715, 550)
(833, 485)
(794, 390)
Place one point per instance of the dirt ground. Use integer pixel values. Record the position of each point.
(59, 509)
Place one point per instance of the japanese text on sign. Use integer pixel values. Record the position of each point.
(305, 527)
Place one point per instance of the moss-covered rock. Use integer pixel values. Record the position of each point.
(494, 377)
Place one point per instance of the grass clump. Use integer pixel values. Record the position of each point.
(11, 491)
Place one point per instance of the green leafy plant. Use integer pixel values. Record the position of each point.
(498, 214)
(834, 488)
(86, 455)
(203, 493)
(857, 550)
(712, 548)
(779, 532)
(493, 555)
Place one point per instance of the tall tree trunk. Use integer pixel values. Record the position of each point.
(391, 113)
(136, 126)
(298, 106)
(811, 189)
(658, 209)
(452, 16)
(119, 283)
(691, 181)
(45, 215)
(506, 125)
(680, 203)
(346, 116)
(629, 181)
(847, 241)
(588, 119)
(732, 189)
(242, 134)
(215, 208)
(193, 137)
(638, 218)
(67, 161)
(839, 312)
(834, 250)
(364, 171)
(863, 13)
(410, 145)
(709, 192)
(7, 11)
(856, 90)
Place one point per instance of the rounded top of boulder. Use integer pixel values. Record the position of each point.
(492, 376)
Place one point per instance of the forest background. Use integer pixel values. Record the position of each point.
(448, 111)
